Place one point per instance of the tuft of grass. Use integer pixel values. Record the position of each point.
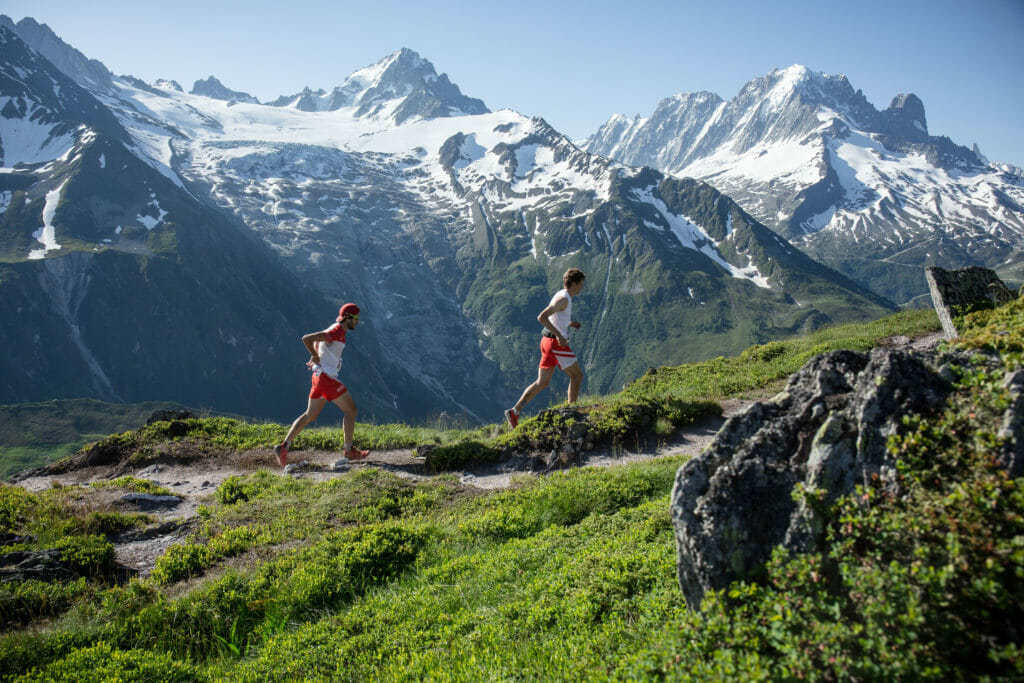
(104, 662)
(454, 456)
(25, 602)
(134, 484)
(996, 331)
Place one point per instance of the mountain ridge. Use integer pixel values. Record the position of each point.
(870, 192)
(449, 228)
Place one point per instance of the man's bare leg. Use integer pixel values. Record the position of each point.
(543, 379)
(348, 406)
(575, 373)
(312, 412)
(313, 409)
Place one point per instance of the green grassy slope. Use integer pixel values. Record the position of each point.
(34, 434)
(570, 576)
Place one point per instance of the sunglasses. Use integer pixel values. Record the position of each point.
(354, 317)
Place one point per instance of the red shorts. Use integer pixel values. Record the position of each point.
(326, 387)
(551, 354)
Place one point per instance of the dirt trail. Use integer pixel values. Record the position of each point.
(195, 482)
(198, 479)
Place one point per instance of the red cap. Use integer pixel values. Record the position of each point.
(347, 309)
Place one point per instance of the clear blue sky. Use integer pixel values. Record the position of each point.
(577, 62)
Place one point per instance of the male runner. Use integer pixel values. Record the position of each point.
(325, 360)
(554, 345)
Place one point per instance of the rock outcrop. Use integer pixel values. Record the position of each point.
(36, 565)
(827, 430)
(956, 291)
(1012, 430)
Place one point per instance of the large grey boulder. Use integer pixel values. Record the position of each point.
(732, 505)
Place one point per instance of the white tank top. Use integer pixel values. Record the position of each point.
(330, 351)
(330, 358)
(561, 319)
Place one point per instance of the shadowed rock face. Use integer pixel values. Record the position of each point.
(734, 503)
(1012, 429)
(35, 565)
(962, 288)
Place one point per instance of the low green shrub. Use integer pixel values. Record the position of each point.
(21, 602)
(181, 561)
(102, 663)
(108, 523)
(237, 489)
(23, 651)
(186, 560)
(618, 419)
(16, 506)
(997, 330)
(133, 484)
(566, 498)
(86, 555)
(460, 454)
(245, 609)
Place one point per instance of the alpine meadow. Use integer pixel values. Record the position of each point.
(795, 455)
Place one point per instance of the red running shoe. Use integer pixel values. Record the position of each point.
(355, 454)
(281, 451)
(513, 417)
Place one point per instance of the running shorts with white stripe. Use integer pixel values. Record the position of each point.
(552, 354)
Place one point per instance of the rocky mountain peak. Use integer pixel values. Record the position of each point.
(809, 89)
(811, 158)
(402, 87)
(397, 75)
(212, 87)
(403, 67)
(791, 77)
(905, 117)
(169, 83)
(404, 75)
(43, 114)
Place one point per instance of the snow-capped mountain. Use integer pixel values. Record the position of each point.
(868, 192)
(115, 282)
(450, 225)
(399, 88)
